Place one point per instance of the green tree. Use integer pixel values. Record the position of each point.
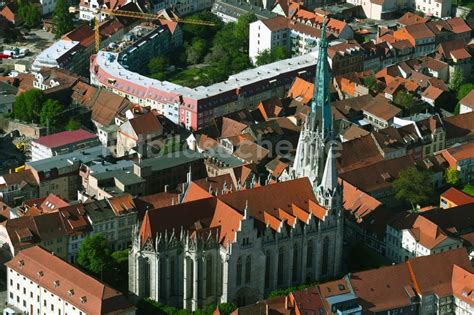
(413, 186)
(73, 124)
(51, 114)
(268, 56)
(94, 254)
(371, 83)
(464, 90)
(451, 176)
(117, 274)
(227, 308)
(62, 19)
(7, 29)
(404, 100)
(457, 79)
(193, 31)
(242, 28)
(28, 105)
(158, 64)
(196, 51)
(29, 13)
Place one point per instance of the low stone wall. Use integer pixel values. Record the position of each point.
(28, 130)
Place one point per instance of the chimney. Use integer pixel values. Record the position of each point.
(166, 188)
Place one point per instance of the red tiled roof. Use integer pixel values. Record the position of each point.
(458, 25)
(459, 125)
(462, 283)
(381, 108)
(468, 100)
(432, 93)
(64, 138)
(231, 127)
(460, 53)
(395, 286)
(457, 197)
(122, 204)
(146, 124)
(301, 90)
(67, 282)
(275, 205)
(411, 18)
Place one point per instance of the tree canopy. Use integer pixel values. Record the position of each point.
(51, 114)
(73, 124)
(457, 79)
(451, 176)
(62, 19)
(94, 254)
(218, 51)
(413, 186)
(404, 100)
(268, 56)
(29, 12)
(28, 105)
(371, 83)
(97, 257)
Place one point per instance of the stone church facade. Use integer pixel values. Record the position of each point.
(193, 269)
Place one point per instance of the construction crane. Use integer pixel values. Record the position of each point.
(144, 16)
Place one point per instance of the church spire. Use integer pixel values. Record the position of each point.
(329, 179)
(320, 103)
(328, 191)
(317, 130)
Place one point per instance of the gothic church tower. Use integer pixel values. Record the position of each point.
(317, 130)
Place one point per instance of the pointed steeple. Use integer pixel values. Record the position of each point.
(328, 191)
(329, 179)
(317, 131)
(320, 104)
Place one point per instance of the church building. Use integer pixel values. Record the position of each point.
(236, 244)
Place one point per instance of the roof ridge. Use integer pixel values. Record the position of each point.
(413, 277)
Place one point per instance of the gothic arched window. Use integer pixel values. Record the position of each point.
(295, 263)
(324, 269)
(267, 269)
(146, 276)
(309, 255)
(281, 261)
(209, 273)
(239, 271)
(173, 275)
(248, 269)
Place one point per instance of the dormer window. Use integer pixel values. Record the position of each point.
(70, 292)
(83, 300)
(56, 283)
(40, 273)
(21, 263)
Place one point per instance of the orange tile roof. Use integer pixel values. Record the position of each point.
(269, 205)
(122, 204)
(432, 93)
(67, 282)
(301, 90)
(381, 108)
(427, 233)
(460, 53)
(462, 283)
(457, 197)
(231, 127)
(395, 286)
(468, 100)
(458, 25)
(411, 18)
(462, 152)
